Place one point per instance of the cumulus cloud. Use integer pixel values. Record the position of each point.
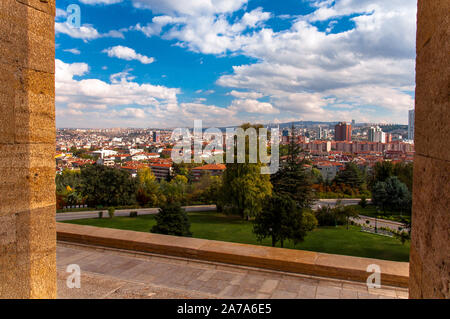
(209, 31)
(121, 91)
(106, 2)
(90, 102)
(190, 7)
(128, 54)
(85, 32)
(73, 51)
(306, 70)
(243, 95)
(253, 106)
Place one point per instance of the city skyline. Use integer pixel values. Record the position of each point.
(147, 63)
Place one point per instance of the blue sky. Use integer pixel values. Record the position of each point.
(164, 63)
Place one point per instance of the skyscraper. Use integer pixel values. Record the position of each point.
(377, 135)
(155, 137)
(411, 125)
(343, 132)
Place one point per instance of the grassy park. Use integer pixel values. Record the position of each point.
(216, 226)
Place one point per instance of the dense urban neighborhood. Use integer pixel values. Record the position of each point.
(132, 169)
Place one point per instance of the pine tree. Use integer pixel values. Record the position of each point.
(172, 220)
(292, 179)
(281, 220)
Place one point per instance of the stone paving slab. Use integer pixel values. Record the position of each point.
(109, 273)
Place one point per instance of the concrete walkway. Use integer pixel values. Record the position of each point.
(107, 273)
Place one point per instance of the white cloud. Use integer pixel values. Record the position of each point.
(244, 95)
(90, 102)
(253, 106)
(190, 7)
(73, 51)
(206, 31)
(305, 70)
(121, 91)
(106, 2)
(85, 32)
(128, 54)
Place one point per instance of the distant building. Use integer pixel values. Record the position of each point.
(377, 135)
(211, 169)
(156, 137)
(322, 134)
(106, 162)
(161, 171)
(411, 125)
(104, 153)
(343, 132)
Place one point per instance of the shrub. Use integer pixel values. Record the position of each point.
(111, 211)
(309, 220)
(133, 214)
(172, 220)
(325, 216)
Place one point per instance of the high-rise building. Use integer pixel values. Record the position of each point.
(343, 132)
(377, 135)
(411, 125)
(155, 137)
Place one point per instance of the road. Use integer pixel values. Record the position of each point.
(332, 202)
(125, 212)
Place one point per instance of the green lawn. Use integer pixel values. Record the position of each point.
(215, 226)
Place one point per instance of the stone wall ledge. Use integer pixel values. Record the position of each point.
(287, 260)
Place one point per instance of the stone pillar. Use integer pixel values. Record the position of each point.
(27, 147)
(430, 244)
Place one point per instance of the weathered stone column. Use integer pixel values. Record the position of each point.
(430, 245)
(27, 144)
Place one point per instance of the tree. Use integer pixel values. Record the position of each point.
(172, 220)
(392, 194)
(244, 187)
(382, 171)
(107, 186)
(404, 172)
(292, 179)
(351, 176)
(281, 220)
(67, 178)
(148, 190)
(345, 212)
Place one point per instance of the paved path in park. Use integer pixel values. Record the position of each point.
(362, 220)
(107, 273)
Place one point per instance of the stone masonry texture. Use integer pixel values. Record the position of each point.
(430, 245)
(27, 137)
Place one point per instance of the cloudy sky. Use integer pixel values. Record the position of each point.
(164, 63)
